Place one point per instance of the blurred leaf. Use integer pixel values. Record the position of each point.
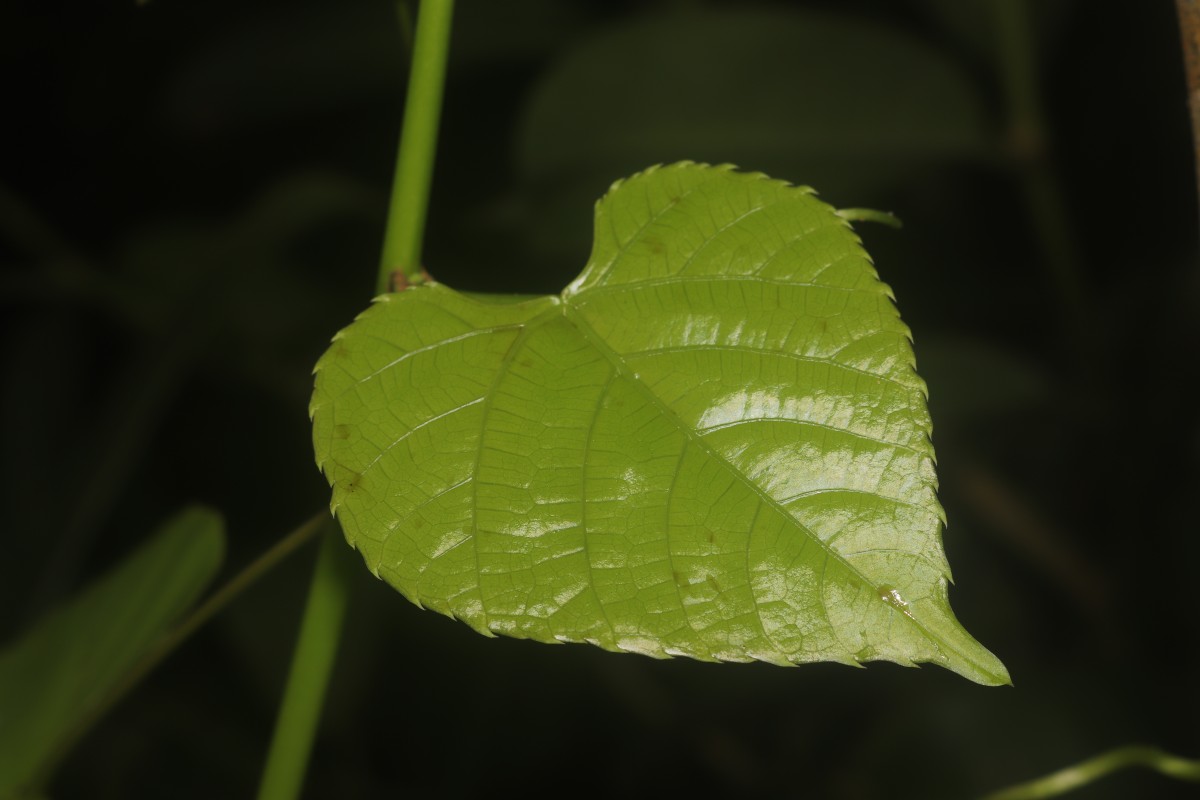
(789, 89)
(835, 102)
(713, 444)
(58, 675)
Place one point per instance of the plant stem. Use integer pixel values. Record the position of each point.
(418, 144)
(229, 592)
(1065, 780)
(1028, 145)
(1018, 71)
(172, 639)
(312, 661)
(1189, 28)
(312, 664)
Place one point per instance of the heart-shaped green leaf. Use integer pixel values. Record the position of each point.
(713, 443)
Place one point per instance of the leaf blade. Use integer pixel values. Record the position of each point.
(631, 462)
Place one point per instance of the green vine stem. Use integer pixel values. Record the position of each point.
(324, 613)
(312, 664)
(1069, 778)
(401, 261)
(1029, 147)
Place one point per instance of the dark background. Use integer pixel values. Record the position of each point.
(191, 203)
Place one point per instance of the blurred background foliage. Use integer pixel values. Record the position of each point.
(191, 204)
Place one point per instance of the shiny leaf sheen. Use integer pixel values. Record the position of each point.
(712, 444)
